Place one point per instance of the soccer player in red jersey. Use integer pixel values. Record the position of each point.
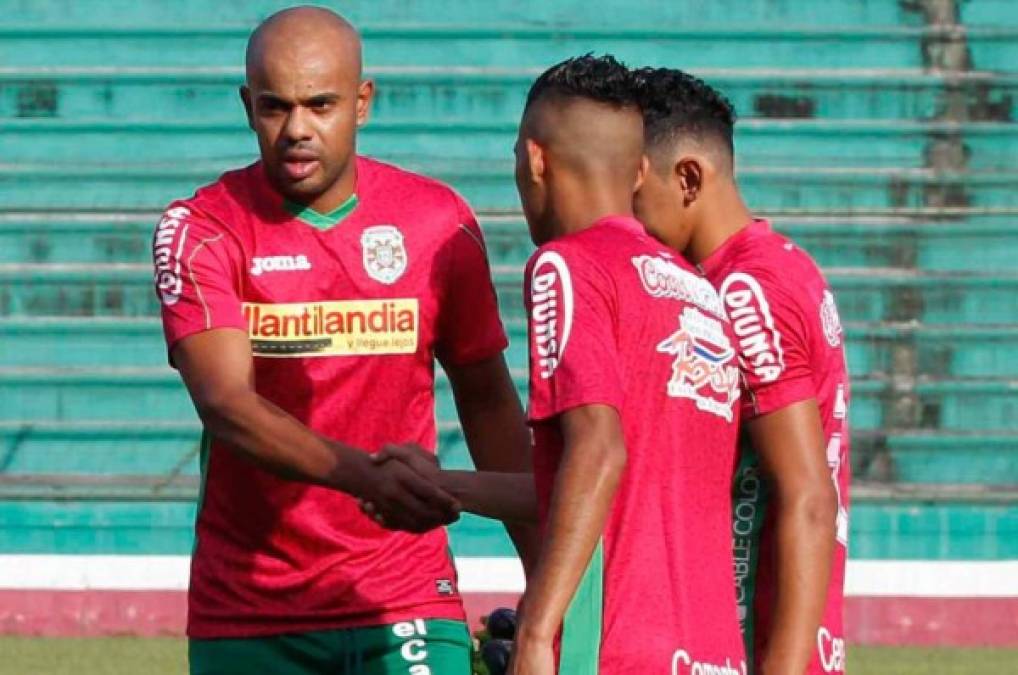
(304, 301)
(633, 404)
(790, 496)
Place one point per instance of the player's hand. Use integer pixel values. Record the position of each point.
(532, 657)
(399, 498)
(420, 460)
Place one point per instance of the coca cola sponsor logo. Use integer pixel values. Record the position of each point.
(684, 664)
(662, 278)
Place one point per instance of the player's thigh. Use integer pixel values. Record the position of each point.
(435, 647)
(298, 654)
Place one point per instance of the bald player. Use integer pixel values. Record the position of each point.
(791, 491)
(304, 301)
(633, 390)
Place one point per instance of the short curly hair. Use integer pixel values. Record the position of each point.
(675, 103)
(598, 78)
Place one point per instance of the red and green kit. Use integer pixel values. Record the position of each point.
(346, 313)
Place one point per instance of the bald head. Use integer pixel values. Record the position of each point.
(302, 33)
(305, 99)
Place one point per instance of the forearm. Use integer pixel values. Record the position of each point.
(499, 441)
(509, 497)
(805, 543)
(280, 444)
(585, 487)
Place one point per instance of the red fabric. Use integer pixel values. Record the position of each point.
(791, 349)
(616, 320)
(344, 325)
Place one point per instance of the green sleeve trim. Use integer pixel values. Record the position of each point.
(581, 629)
(322, 221)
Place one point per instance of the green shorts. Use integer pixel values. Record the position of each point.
(420, 647)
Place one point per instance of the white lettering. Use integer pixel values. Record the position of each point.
(279, 263)
(759, 341)
(682, 658)
(831, 651)
(166, 259)
(551, 311)
(414, 650)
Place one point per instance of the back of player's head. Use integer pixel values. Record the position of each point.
(680, 107)
(585, 113)
(581, 139)
(601, 79)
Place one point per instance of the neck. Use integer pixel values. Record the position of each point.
(720, 219)
(589, 203)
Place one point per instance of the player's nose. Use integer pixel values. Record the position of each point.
(297, 126)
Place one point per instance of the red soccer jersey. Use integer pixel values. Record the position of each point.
(791, 349)
(616, 320)
(346, 313)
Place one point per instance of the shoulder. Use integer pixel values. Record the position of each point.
(770, 266)
(209, 208)
(399, 183)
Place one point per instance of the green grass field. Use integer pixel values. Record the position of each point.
(167, 656)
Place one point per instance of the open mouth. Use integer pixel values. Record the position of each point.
(298, 169)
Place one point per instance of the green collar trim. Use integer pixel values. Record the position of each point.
(322, 221)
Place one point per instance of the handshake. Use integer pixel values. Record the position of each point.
(405, 489)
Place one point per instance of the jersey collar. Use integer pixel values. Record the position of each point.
(754, 228)
(322, 221)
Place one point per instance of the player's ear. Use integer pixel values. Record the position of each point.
(641, 173)
(689, 173)
(535, 160)
(365, 94)
(245, 96)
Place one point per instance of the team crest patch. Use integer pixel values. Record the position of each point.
(383, 252)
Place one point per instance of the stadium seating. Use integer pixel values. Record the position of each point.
(879, 135)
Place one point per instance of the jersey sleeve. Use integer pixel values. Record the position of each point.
(572, 311)
(773, 343)
(197, 275)
(470, 329)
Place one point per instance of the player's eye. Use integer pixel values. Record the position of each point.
(272, 106)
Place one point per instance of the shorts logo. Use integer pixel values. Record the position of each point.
(445, 587)
(759, 341)
(414, 647)
(167, 251)
(279, 263)
(662, 278)
(703, 369)
(551, 311)
(341, 328)
(830, 320)
(383, 253)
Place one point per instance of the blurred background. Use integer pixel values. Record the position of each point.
(879, 134)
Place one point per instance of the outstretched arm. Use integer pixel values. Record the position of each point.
(499, 441)
(217, 368)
